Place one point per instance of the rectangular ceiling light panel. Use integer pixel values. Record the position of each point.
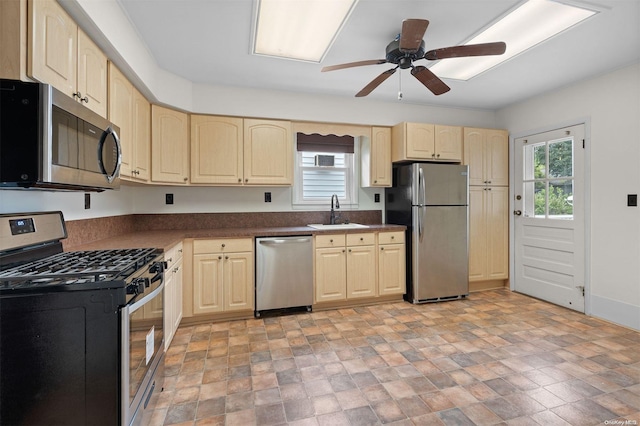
(299, 29)
(526, 26)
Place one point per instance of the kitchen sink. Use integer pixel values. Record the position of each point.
(337, 226)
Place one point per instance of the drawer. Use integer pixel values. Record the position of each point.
(365, 239)
(332, 240)
(173, 254)
(395, 237)
(220, 245)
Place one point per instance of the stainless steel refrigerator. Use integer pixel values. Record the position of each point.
(432, 200)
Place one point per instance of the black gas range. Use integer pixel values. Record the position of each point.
(81, 333)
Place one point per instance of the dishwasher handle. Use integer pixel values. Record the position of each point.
(285, 241)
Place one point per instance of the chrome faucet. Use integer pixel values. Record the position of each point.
(332, 218)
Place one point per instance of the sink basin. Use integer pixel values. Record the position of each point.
(337, 226)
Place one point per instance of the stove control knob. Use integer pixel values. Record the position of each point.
(136, 286)
(157, 267)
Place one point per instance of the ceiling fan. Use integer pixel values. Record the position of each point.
(408, 47)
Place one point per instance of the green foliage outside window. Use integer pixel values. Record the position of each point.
(560, 165)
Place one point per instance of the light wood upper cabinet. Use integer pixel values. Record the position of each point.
(419, 141)
(375, 154)
(268, 152)
(217, 150)
(486, 151)
(131, 112)
(488, 233)
(169, 145)
(141, 164)
(237, 151)
(62, 55)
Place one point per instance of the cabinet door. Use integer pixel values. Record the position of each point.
(169, 308)
(496, 161)
(331, 274)
(497, 206)
(268, 152)
(474, 147)
(361, 272)
(177, 305)
(207, 283)
(53, 47)
(121, 114)
(141, 166)
(169, 145)
(391, 269)
(216, 150)
(420, 139)
(380, 156)
(448, 143)
(238, 281)
(92, 75)
(477, 234)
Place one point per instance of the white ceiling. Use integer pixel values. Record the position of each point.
(209, 42)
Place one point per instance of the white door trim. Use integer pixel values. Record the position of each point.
(586, 121)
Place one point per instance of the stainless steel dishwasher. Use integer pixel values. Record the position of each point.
(284, 273)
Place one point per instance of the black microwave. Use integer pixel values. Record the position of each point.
(50, 141)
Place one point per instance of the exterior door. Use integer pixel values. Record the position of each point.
(549, 216)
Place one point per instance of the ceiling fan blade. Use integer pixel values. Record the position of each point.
(483, 49)
(430, 80)
(412, 33)
(354, 64)
(376, 82)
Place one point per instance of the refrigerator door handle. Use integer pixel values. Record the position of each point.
(421, 188)
(420, 223)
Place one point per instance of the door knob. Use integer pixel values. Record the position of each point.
(517, 212)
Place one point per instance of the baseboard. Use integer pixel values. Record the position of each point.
(486, 285)
(615, 311)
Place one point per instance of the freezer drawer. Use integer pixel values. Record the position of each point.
(284, 273)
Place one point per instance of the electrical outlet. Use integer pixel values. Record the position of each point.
(168, 199)
(87, 201)
(267, 197)
(376, 198)
(632, 200)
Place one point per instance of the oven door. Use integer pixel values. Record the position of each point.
(142, 349)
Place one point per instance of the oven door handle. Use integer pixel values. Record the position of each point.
(147, 297)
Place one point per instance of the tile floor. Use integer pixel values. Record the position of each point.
(495, 358)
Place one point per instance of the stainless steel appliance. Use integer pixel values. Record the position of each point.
(81, 333)
(284, 273)
(432, 201)
(50, 141)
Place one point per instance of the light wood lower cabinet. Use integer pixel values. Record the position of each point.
(222, 275)
(353, 266)
(488, 233)
(391, 263)
(172, 292)
(345, 266)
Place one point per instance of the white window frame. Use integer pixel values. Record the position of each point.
(350, 201)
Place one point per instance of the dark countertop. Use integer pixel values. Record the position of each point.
(167, 239)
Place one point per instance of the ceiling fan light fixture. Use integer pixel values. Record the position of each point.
(301, 30)
(531, 23)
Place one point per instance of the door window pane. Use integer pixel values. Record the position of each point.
(548, 179)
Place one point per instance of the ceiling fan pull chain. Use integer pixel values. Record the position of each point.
(399, 86)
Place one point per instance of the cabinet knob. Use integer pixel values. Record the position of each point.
(180, 251)
(361, 239)
(223, 245)
(185, 179)
(433, 155)
(246, 180)
(226, 257)
(349, 250)
(330, 241)
(488, 181)
(239, 180)
(381, 248)
(219, 257)
(393, 237)
(438, 155)
(375, 181)
(343, 250)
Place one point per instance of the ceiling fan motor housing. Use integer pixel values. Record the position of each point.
(403, 59)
